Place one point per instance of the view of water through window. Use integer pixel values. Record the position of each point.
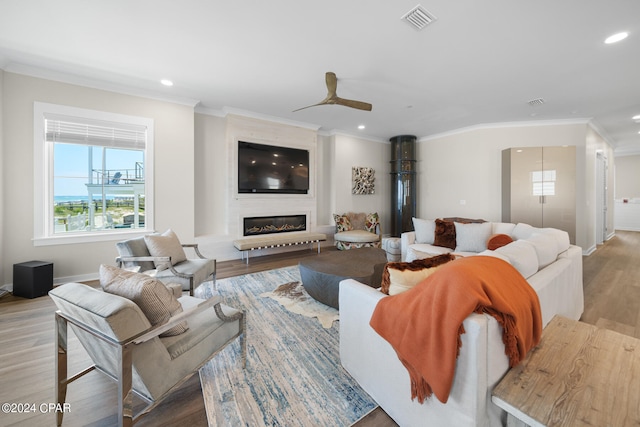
(97, 188)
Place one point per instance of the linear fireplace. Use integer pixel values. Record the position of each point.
(274, 224)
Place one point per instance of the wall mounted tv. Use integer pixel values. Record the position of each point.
(270, 169)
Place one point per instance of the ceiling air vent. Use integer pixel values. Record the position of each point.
(419, 17)
(534, 102)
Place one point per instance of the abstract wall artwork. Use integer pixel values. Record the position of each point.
(363, 180)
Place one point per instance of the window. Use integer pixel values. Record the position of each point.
(93, 173)
(544, 182)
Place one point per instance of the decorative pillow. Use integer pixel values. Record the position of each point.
(165, 244)
(342, 223)
(472, 237)
(371, 222)
(497, 241)
(398, 277)
(445, 234)
(425, 230)
(155, 300)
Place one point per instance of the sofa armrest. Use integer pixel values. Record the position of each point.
(406, 239)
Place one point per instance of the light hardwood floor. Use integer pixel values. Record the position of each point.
(612, 301)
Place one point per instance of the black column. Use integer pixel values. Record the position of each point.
(403, 183)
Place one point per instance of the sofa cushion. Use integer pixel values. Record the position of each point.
(356, 236)
(399, 277)
(561, 237)
(425, 230)
(472, 237)
(498, 240)
(154, 299)
(522, 255)
(523, 231)
(445, 234)
(502, 228)
(546, 248)
(422, 250)
(165, 244)
(495, 254)
(342, 223)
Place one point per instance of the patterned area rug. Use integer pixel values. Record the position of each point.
(293, 375)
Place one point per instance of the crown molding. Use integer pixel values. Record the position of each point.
(482, 126)
(63, 77)
(338, 132)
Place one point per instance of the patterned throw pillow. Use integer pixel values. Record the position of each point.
(398, 277)
(342, 223)
(155, 300)
(371, 222)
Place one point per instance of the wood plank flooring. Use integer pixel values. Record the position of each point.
(612, 301)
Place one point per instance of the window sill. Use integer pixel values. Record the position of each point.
(92, 237)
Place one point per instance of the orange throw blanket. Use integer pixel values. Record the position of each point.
(424, 324)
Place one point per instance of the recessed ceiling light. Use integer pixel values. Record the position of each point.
(166, 82)
(361, 127)
(616, 37)
(636, 117)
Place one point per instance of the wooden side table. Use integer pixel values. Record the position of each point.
(579, 375)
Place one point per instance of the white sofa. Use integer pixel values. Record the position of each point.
(552, 267)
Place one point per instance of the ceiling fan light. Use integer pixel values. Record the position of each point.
(616, 37)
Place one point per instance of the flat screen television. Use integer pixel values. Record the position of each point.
(270, 169)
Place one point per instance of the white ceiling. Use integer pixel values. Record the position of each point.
(479, 63)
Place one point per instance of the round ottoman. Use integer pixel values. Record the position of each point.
(321, 275)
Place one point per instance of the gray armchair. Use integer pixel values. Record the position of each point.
(189, 272)
(125, 346)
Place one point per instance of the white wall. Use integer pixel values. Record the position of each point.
(174, 165)
(349, 151)
(2, 156)
(627, 177)
(467, 166)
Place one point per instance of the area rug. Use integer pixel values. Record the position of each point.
(294, 298)
(293, 375)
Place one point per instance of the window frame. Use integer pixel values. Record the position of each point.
(43, 232)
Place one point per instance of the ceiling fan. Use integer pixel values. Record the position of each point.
(332, 97)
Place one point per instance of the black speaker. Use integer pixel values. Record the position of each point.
(32, 279)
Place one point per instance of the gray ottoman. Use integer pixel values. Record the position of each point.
(321, 275)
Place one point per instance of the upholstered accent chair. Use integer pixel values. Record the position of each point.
(357, 230)
(162, 256)
(121, 338)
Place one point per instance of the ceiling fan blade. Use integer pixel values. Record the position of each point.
(332, 83)
(353, 104)
(309, 106)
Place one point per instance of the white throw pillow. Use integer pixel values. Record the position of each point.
(165, 244)
(495, 255)
(425, 230)
(522, 255)
(472, 237)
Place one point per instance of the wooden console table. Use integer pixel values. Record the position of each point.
(579, 375)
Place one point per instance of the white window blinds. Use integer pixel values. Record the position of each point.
(72, 130)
